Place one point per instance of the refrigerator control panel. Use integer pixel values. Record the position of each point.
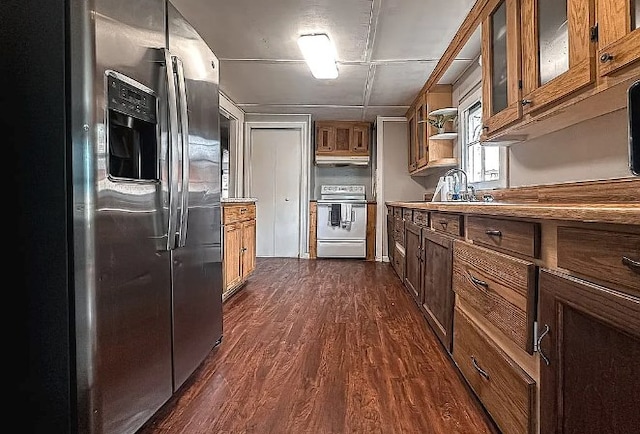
(130, 98)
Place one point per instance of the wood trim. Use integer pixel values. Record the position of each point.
(514, 54)
(471, 22)
(313, 224)
(623, 190)
(530, 70)
(610, 14)
(624, 51)
(371, 231)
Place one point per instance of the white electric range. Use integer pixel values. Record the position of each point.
(342, 222)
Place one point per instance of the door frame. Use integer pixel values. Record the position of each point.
(305, 169)
(381, 223)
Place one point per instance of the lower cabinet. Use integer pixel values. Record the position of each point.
(413, 260)
(437, 294)
(506, 390)
(239, 260)
(589, 351)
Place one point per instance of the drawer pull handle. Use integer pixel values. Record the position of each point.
(494, 233)
(633, 265)
(444, 223)
(243, 210)
(478, 282)
(478, 368)
(542, 335)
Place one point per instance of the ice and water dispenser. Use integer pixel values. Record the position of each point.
(132, 130)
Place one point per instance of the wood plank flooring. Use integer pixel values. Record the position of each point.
(323, 347)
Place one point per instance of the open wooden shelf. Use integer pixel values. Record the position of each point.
(444, 136)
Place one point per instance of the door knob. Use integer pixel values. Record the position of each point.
(286, 199)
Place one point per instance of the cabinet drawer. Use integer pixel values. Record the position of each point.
(407, 214)
(447, 223)
(421, 217)
(505, 389)
(499, 287)
(506, 235)
(240, 212)
(605, 256)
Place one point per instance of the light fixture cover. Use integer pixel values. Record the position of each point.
(320, 55)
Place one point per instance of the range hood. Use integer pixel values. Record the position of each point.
(332, 160)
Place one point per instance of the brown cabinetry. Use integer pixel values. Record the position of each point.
(342, 138)
(413, 259)
(426, 150)
(501, 59)
(500, 288)
(239, 229)
(559, 49)
(437, 294)
(510, 236)
(589, 350)
(619, 34)
(505, 390)
(451, 224)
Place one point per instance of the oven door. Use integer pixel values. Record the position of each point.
(355, 230)
(343, 240)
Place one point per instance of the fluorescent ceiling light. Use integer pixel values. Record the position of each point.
(320, 55)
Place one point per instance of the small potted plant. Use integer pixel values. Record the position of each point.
(439, 121)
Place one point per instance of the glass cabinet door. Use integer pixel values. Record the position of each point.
(559, 49)
(619, 35)
(501, 66)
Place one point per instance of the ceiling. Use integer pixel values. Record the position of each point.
(386, 50)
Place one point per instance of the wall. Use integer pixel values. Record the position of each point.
(595, 149)
(343, 175)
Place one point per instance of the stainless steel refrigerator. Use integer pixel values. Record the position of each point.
(117, 158)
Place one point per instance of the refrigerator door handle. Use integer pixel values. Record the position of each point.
(184, 126)
(172, 149)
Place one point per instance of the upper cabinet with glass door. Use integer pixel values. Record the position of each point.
(558, 37)
(619, 34)
(501, 66)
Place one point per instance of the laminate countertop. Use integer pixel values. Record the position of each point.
(617, 213)
(232, 200)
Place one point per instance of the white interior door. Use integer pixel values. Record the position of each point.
(276, 158)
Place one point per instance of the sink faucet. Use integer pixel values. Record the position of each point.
(468, 193)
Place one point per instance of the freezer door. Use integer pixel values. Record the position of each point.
(123, 319)
(197, 262)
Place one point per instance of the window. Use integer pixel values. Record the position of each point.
(485, 165)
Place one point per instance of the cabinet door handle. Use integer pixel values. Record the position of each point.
(478, 282)
(493, 233)
(525, 102)
(481, 371)
(633, 265)
(444, 223)
(542, 335)
(606, 57)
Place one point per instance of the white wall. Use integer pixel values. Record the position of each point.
(591, 150)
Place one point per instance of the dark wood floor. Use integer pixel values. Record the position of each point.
(324, 346)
